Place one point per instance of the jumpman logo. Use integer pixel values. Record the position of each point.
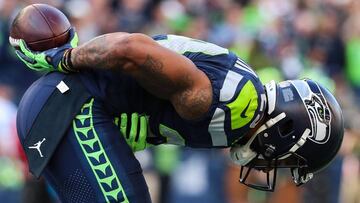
(37, 146)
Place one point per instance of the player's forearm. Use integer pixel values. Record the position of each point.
(104, 52)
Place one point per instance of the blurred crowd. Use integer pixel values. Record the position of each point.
(280, 39)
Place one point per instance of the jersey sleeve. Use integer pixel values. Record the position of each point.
(191, 48)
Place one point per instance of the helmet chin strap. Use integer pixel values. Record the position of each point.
(242, 155)
(301, 141)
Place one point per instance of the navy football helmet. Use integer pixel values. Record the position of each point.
(302, 130)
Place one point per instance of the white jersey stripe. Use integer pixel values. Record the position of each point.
(243, 66)
(228, 89)
(241, 62)
(216, 128)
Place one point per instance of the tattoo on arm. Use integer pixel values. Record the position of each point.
(153, 65)
(97, 54)
(198, 101)
(153, 78)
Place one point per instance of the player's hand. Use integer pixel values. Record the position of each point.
(136, 135)
(53, 59)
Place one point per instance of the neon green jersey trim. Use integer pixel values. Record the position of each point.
(244, 106)
(95, 154)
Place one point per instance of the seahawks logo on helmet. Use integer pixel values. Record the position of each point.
(318, 111)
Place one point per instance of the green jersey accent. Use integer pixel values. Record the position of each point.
(244, 106)
(96, 156)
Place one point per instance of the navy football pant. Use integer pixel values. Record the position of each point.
(93, 162)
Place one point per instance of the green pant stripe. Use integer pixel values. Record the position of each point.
(96, 156)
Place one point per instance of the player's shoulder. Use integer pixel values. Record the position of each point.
(240, 101)
(185, 45)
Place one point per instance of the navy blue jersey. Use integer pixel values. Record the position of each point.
(238, 96)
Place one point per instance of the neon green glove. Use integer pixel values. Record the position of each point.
(136, 138)
(53, 59)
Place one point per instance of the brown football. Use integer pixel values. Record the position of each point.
(41, 26)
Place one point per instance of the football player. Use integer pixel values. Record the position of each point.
(193, 94)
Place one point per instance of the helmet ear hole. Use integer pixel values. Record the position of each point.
(286, 128)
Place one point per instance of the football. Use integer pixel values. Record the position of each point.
(41, 26)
